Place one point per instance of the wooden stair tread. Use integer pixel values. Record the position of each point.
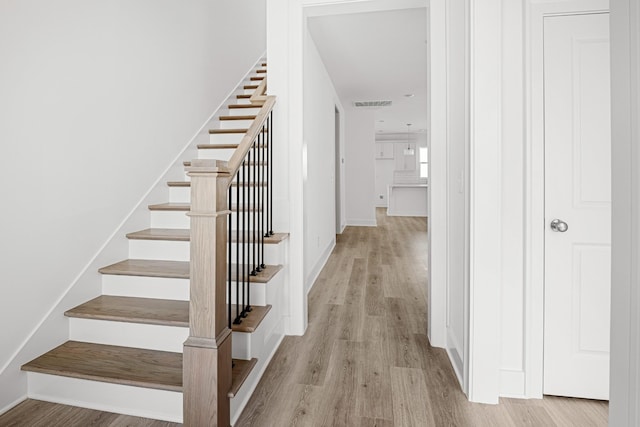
(217, 147)
(261, 71)
(240, 106)
(264, 276)
(180, 207)
(223, 146)
(148, 268)
(175, 270)
(186, 207)
(252, 321)
(250, 117)
(243, 96)
(171, 234)
(225, 131)
(250, 87)
(184, 234)
(124, 365)
(134, 310)
(154, 312)
(256, 78)
(239, 373)
(233, 184)
(187, 163)
(113, 364)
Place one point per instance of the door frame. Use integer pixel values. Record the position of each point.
(534, 253)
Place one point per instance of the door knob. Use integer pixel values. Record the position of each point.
(559, 226)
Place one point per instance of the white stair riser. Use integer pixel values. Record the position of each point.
(125, 334)
(225, 138)
(183, 194)
(179, 251)
(150, 337)
(272, 254)
(235, 124)
(169, 219)
(177, 219)
(244, 111)
(159, 250)
(249, 91)
(180, 194)
(252, 344)
(244, 101)
(145, 287)
(218, 154)
(122, 399)
(258, 293)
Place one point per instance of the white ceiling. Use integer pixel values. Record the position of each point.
(378, 56)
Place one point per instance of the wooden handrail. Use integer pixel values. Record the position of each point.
(252, 133)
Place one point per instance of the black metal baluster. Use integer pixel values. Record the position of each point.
(245, 220)
(270, 148)
(240, 175)
(256, 184)
(229, 234)
(262, 207)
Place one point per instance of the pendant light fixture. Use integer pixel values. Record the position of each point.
(409, 151)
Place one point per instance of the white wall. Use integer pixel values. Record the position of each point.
(98, 98)
(320, 101)
(360, 166)
(624, 406)
(512, 195)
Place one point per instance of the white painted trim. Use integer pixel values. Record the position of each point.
(109, 397)
(361, 223)
(624, 405)
(485, 171)
(317, 269)
(511, 383)
(255, 383)
(437, 214)
(534, 181)
(12, 404)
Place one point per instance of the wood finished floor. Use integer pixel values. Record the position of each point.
(365, 359)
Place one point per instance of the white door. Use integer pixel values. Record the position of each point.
(578, 194)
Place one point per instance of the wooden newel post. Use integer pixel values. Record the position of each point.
(207, 351)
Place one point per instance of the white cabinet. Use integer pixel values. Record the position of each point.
(384, 150)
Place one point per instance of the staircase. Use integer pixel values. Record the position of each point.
(125, 348)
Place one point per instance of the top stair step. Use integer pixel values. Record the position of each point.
(154, 369)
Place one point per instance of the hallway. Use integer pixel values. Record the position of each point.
(365, 359)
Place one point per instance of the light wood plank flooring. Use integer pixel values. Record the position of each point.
(365, 359)
(35, 413)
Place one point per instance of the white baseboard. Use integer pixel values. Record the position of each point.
(253, 385)
(13, 404)
(315, 271)
(355, 222)
(512, 384)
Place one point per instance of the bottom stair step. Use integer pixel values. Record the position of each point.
(239, 373)
(107, 363)
(160, 370)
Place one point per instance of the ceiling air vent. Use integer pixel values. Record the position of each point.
(372, 104)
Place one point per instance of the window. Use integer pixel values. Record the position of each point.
(424, 162)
